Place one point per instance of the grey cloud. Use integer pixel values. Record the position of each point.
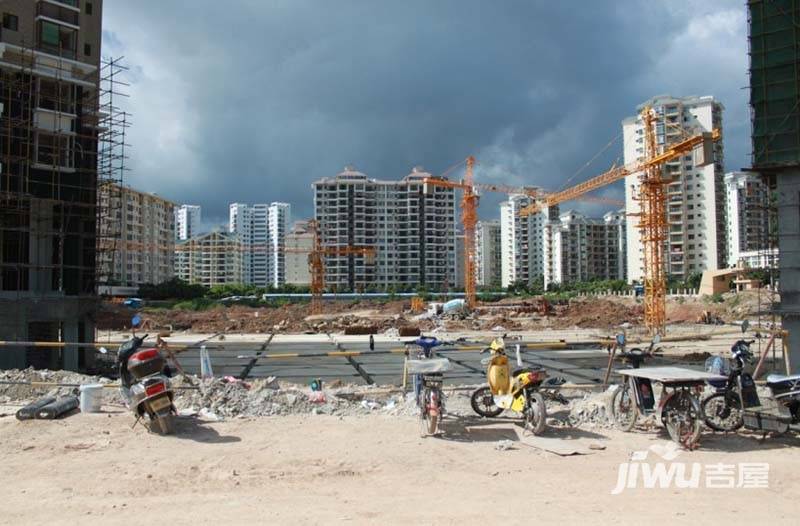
(252, 101)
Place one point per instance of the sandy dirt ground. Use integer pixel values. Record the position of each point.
(316, 469)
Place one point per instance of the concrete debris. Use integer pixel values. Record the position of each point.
(593, 410)
(504, 445)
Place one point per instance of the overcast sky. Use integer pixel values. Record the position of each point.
(253, 100)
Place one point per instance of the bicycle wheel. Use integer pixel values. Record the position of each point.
(684, 419)
(723, 412)
(623, 408)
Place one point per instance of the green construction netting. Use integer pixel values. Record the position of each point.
(775, 81)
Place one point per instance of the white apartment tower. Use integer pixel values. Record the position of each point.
(261, 229)
(748, 220)
(187, 222)
(580, 249)
(696, 206)
(410, 224)
(522, 240)
(488, 252)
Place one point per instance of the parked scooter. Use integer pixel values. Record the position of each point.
(145, 384)
(739, 404)
(517, 390)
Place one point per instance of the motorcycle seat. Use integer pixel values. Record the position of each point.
(521, 370)
(780, 378)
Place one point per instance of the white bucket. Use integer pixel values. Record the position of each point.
(91, 398)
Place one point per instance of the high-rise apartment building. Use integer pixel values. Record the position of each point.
(279, 219)
(411, 226)
(299, 243)
(488, 252)
(210, 259)
(749, 215)
(144, 226)
(50, 125)
(261, 229)
(522, 240)
(696, 203)
(187, 222)
(580, 249)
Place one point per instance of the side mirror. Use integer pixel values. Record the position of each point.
(656, 339)
(620, 339)
(745, 326)
(136, 321)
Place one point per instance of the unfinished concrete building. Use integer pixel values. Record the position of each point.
(298, 246)
(145, 225)
(522, 240)
(775, 104)
(53, 116)
(210, 259)
(488, 251)
(412, 230)
(577, 248)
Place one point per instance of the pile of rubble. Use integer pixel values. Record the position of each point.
(228, 397)
(221, 397)
(593, 410)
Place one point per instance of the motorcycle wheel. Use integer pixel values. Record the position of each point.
(163, 425)
(684, 419)
(428, 423)
(482, 402)
(623, 408)
(723, 412)
(535, 413)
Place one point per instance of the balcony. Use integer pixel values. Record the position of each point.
(58, 13)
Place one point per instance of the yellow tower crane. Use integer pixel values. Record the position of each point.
(652, 215)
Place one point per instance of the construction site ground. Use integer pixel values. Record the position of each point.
(320, 469)
(511, 314)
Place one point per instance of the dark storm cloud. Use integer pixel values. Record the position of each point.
(253, 100)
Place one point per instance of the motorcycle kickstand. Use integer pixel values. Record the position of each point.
(138, 417)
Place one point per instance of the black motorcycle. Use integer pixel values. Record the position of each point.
(737, 403)
(723, 409)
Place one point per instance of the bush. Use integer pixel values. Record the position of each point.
(198, 304)
(173, 289)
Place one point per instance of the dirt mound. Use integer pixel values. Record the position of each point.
(599, 313)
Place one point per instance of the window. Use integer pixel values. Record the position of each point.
(88, 8)
(87, 50)
(54, 150)
(56, 39)
(10, 22)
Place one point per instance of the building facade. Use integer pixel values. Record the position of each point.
(522, 240)
(144, 226)
(696, 203)
(488, 251)
(210, 259)
(580, 249)
(747, 201)
(262, 231)
(187, 222)
(50, 125)
(410, 224)
(299, 243)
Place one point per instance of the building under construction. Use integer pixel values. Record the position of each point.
(59, 139)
